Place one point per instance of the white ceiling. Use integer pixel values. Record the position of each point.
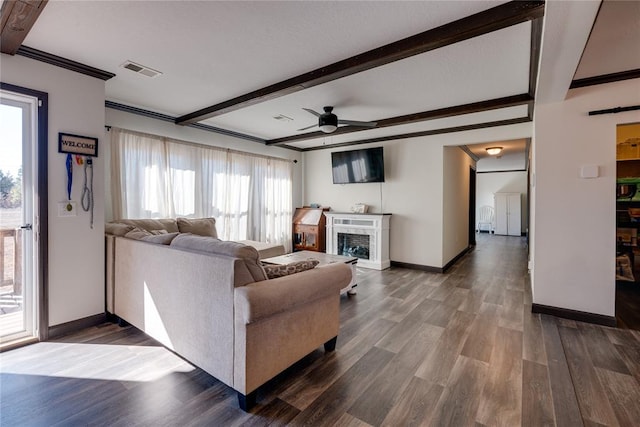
(511, 147)
(614, 43)
(212, 51)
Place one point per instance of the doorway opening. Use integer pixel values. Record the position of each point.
(627, 225)
(23, 207)
(502, 202)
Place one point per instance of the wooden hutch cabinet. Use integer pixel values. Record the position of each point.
(309, 229)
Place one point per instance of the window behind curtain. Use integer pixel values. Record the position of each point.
(250, 196)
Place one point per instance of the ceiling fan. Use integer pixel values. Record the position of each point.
(328, 122)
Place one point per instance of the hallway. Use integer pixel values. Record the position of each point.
(415, 348)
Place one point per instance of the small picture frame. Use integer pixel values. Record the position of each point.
(359, 208)
(76, 144)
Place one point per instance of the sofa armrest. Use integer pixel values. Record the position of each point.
(262, 299)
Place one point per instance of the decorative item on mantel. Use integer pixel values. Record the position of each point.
(359, 208)
(361, 235)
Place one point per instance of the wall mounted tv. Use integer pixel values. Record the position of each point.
(358, 166)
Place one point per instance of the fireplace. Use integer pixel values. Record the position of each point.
(355, 245)
(364, 236)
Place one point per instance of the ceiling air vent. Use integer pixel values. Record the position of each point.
(140, 69)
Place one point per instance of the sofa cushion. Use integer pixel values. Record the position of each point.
(117, 229)
(153, 224)
(199, 226)
(274, 271)
(163, 238)
(212, 245)
(137, 234)
(266, 250)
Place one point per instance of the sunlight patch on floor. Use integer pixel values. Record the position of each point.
(93, 361)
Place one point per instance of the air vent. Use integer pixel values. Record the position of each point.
(140, 69)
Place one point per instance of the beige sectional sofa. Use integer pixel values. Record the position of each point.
(210, 302)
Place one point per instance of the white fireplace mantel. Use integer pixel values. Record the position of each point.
(376, 226)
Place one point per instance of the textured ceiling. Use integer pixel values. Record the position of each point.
(212, 51)
(614, 43)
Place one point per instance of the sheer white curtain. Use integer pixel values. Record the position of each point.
(250, 196)
(138, 169)
(272, 207)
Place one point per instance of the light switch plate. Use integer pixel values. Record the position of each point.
(67, 208)
(589, 171)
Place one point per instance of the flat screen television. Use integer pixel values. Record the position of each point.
(358, 166)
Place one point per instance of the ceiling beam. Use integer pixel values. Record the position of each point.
(475, 107)
(534, 54)
(16, 20)
(496, 18)
(605, 78)
(432, 132)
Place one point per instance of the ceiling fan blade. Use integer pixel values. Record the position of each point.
(357, 123)
(309, 110)
(308, 127)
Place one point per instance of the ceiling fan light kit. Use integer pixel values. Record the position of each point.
(328, 122)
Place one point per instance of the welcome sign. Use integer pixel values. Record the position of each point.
(76, 144)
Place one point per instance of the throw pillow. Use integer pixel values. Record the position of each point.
(117, 229)
(162, 238)
(275, 271)
(153, 224)
(137, 234)
(199, 226)
(208, 244)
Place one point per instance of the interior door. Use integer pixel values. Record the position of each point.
(18, 178)
(501, 214)
(514, 220)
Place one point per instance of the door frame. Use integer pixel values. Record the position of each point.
(472, 206)
(42, 225)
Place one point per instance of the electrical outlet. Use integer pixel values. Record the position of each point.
(67, 208)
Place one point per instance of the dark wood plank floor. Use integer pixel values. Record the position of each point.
(628, 305)
(415, 348)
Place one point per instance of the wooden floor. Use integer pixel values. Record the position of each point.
(628, 305)
(415, 348)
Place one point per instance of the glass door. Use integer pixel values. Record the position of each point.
(18, 290)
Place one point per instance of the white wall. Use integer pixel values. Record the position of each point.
(574, 234)
(506, 162)
(76, 252)
(138, 123)
(412, 191)
(488, 183)
(455, 230)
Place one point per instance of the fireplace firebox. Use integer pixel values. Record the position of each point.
(355, 245)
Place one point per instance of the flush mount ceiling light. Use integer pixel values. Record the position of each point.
(493, 151)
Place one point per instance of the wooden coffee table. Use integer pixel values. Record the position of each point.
(323, 258)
